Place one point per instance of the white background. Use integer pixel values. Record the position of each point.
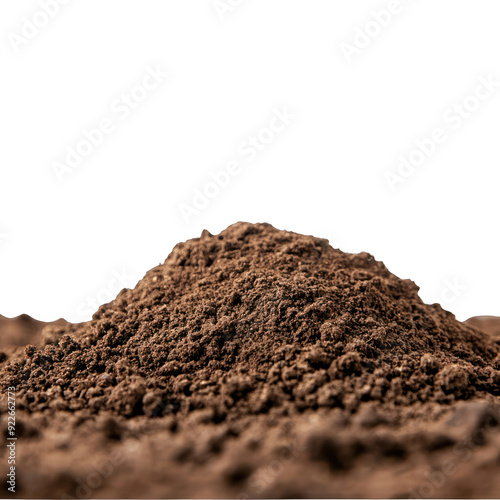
(119, 211)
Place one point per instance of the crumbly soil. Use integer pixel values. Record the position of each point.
(259, 363)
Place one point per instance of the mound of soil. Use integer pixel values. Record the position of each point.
(255, 347)
(488, 324)
(25, 330)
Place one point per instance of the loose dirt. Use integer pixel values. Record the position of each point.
(260, 363)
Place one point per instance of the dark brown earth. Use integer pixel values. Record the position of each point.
(260, 363)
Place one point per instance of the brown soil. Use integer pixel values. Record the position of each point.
(24, 330)
(488, 324)
(260, 363)
(17, 333)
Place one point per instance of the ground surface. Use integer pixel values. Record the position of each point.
(453, 452)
